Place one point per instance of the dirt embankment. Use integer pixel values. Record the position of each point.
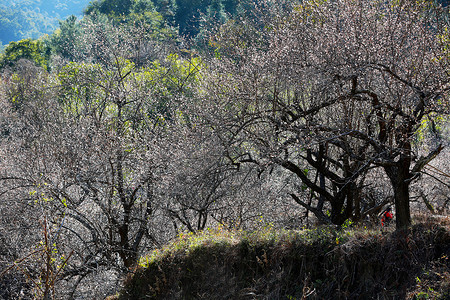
(323, 264)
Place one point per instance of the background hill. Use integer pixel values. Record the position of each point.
(23, 19)
(33, 18)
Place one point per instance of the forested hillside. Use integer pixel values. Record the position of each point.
(143, 122)
(20, 19)
(33, 18)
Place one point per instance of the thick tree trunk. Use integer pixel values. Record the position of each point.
(399, 176)
(401, 198)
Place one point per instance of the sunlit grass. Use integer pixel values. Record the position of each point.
(187, 242)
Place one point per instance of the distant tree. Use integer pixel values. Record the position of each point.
(63, 39)
(168, 9)
(141, 13)
(155, 38)
(216, 11)
(188, 16)
(112, 8)
(192, 15)
(214, 17)
(231, 6)
(330, 90)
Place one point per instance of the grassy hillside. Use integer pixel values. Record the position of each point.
(322, 263)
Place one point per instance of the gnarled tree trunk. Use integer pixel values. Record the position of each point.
(400, 178)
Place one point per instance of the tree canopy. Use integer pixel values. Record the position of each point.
(34, 50)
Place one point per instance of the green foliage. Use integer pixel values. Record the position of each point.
(186, 243)
(63, 40)
(133, 13)
(34, 18)
(85, 86)
(190, 13)
(167, 8)
(154, 24)
(216, 12)
(80, 92)
(175, 77)
(34, 50)
(87, 90)
(112, 8)
(121, 11)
